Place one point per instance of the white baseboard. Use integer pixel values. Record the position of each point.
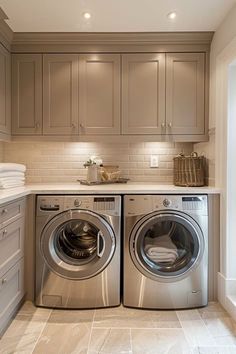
(227, 294)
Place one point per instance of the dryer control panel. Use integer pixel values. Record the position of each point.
(144, 204)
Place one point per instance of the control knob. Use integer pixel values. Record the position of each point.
(166, 202)
(77, 203)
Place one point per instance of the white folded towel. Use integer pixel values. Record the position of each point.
(11, 174)
(6, 166)
(161, 248)
(11, 179)
(12, 185)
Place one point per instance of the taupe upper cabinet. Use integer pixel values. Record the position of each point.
(26, 94)
(143, 93)
(185, 93)
(60, 94)
(5, 91)
(99, 82)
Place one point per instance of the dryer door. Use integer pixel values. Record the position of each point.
(77, 244)
(166, 245)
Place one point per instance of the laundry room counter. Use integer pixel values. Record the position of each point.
(76, 188)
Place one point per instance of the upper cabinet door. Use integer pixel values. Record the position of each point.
(99, 83)
(5, 91)
(143, 94)
(60, 94)
(26, 94)
(185, 93)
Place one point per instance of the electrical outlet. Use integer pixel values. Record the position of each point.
(154, 161)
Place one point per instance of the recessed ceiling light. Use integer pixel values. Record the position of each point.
(172, 15)
(87, 15)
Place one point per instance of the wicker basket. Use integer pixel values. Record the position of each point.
(189, 170)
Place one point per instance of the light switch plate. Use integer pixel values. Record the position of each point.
(154, 161)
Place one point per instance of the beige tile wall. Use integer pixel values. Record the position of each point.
(63, 162)
(1, 151)
(208, 150)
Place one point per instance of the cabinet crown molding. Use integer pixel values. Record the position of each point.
(108, 41)
(113, 37)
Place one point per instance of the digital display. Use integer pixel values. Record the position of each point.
(191, 199)
(104, 199)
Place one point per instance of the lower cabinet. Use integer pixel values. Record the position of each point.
(11, 260)
(11, 292)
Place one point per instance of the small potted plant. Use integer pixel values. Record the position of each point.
(93, 169)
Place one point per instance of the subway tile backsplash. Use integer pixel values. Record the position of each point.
(63, 162)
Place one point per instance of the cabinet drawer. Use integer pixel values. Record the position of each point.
(11, 212)
(11, 292)
(11, 244)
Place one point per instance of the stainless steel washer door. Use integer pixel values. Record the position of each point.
(166, 245)
(77, 244)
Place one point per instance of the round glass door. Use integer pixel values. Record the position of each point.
(77, 244)
(78, 241)
(166, 245)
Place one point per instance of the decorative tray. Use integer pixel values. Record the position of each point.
(119, 180)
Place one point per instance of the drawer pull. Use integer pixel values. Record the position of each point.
(4, 211)
(4, 280)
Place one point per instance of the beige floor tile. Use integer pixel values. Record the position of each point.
(213, 310)
(23, 333)
(197, 333)
(71, 316)
(188, 315)
(63, 339)
(110, 340)
(121, 317)
(159, 341)
(225, 340)
(18, 344)
(218, 327)
(29, 308)
(215, 350)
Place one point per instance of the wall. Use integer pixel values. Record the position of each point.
(63, 162)
(223, 53)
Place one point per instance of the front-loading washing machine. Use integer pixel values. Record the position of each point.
(165, 251)
(77, 251)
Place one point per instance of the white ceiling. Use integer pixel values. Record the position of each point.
(114, 15)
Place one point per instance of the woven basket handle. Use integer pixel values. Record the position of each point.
(194, 154)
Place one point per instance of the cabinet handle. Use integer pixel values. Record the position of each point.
(170, 125)
(4, 211)
(4, 280)
(37, 125)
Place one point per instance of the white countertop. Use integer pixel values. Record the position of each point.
(9, 195)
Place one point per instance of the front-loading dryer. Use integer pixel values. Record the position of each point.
(165, 251)
(77, 251)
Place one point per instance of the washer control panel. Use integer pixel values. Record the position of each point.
(101, 204)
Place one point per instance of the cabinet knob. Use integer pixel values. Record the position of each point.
(169, 124)
(5, 232)
(81, 126)
(4, 280)
(163, 125)
(37, 125)
(73, 125)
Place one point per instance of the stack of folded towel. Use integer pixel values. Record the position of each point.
(161, 249)
(12, 175)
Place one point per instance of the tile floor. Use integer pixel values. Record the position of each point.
(120, 330)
